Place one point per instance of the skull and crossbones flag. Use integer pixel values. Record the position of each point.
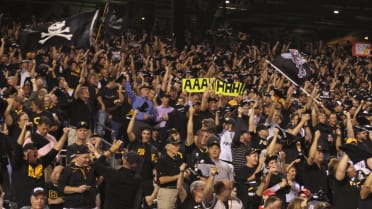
(75, 30)
(294, 65)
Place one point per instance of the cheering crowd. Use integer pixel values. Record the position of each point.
(275, 146)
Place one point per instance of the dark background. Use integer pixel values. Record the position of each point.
(267, 19)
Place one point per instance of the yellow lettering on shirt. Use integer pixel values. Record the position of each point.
(52, 194)
(36, 172)
(141, 151)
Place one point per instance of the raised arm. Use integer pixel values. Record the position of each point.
(270, 148)
(8, 117)
(208, 191)
(182, 193)
(310, 159)
(62, 140)
(190, 127)
(204, 101)
(21, 137)
(251, 125)
(296, 130)
(341, 167)
(367, 187)
(349, 126)
(131, 135)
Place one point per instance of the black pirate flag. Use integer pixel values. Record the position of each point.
(75, 30)
(294, 65)
(116, 21)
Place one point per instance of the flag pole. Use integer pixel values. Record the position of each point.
(302, 89)
(105, 10)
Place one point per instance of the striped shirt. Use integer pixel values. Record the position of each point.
(238, 156)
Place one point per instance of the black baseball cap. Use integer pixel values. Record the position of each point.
(131, 158)
(213, 140)
(270, 158)
(29, 146)
(38, 190)
(74, 150)
(252, 150)
(261, 127)
(360, 129)
(172, 140)
(82, 124)
(320, 148)
(172, 131)
(228, 120)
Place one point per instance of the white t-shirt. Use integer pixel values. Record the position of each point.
(225, 143)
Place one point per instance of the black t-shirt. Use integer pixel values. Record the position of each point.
(366, 203)
(76, 176)
(80, 111)
(63, 98)
(346, 194)
(148, 158)
(73, 77)
(246, 190)
(315, 178)
(52, 193)
(258, 142)
(122, 185)
(108, 97)
(93, 96)
(36, 117)
(276, 179)
(26, 176)
(168, 166)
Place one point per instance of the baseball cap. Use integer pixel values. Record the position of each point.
(320, 148)
(228, 120)
(252, 150)
(172, 140)
(270, 158)
(213, 140)
(172, 131)
(232, 103)
(74, 150)
(131, 157)
(29, 146)
(82, 124)
(360, 129)
(38, 190)
(261, 127)
(351, 141)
